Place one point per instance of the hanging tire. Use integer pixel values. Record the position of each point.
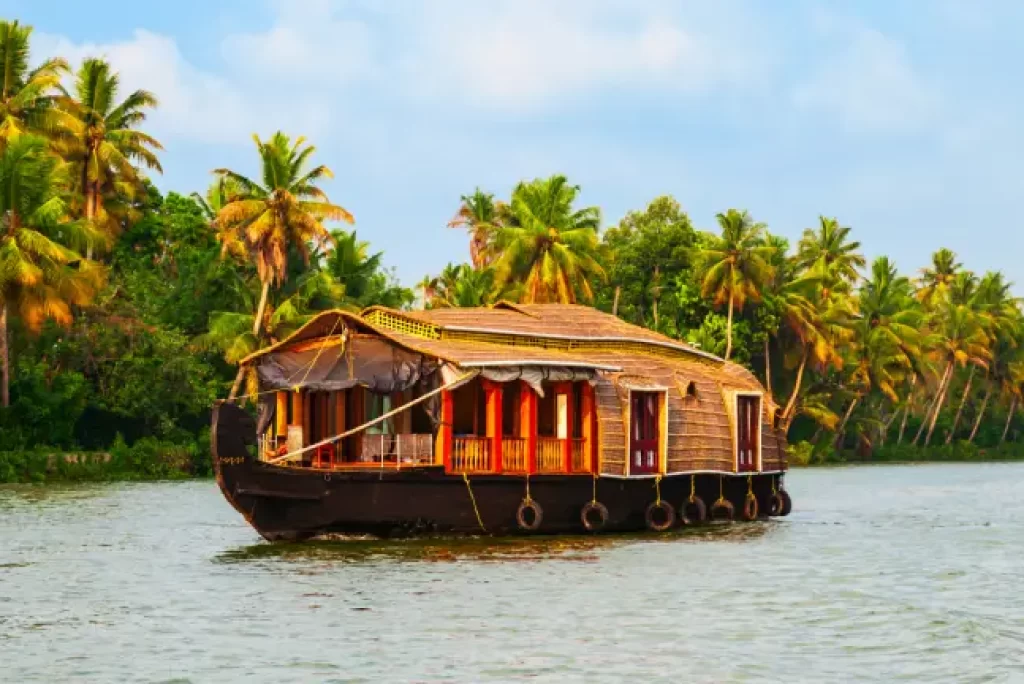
(750, 507)
(660, 516)
(722, 510)
(529, 515)
(594, 516)
(694, 511)
(787, 503)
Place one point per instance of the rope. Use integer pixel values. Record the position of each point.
(527, 499)
(373, 422)
(721, 489)
(693, 487)
(472, 500)
(750, 485)
(657, 489)
(593, 499)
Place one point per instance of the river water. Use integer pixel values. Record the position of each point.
(894, 573)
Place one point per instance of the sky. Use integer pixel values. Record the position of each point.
(901, 118)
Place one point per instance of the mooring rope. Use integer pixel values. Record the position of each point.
(472, 500)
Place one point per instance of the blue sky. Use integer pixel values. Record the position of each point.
(903, 119)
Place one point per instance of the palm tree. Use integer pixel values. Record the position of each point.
(547, 245)
(482, 217)
(829, 254)
(40, 277)
(285, 212)
(106, 147)
(963, 341)
(28, 97)
(736, 265)
(217, 196)
(935, 281)
(362, 279)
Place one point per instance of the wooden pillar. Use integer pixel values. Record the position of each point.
(339, 422)
(493, 392)
(307, 422)
(528, 424)
(588, 421)
(444, 430)
(296, 408)
(563, 428)
(281, 415)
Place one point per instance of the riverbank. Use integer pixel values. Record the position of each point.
(146, 459)
(804, 454)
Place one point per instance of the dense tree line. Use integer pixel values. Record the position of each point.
(125, 312)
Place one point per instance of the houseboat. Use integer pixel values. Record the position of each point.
(510, 419)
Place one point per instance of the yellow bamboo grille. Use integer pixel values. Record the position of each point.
(580, 460)
(472, 455)
(513, 455)
(550, 455)
(389, 321)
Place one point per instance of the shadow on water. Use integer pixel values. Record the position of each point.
(572, 548)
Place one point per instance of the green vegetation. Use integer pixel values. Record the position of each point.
(124, 313)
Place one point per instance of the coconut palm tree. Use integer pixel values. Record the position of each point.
(735, 265)
(482, 217)
(285, 212)
(830, 254)
(934, 283)
(41, 278)
(105, 146)
(547, 245)
(28, 97)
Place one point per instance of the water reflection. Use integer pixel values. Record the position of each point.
(342, 549)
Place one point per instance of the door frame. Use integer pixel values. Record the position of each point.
(733, 409)
(662, 420)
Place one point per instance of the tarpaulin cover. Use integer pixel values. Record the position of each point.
(535, 375)
(362, 360)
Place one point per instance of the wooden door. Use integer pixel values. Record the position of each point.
(748, 413)
(643, 433)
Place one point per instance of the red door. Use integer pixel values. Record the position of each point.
(748, 412)
(643, 433)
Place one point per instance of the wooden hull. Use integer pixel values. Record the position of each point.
(284, 503)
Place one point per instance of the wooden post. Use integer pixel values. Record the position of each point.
(528, 424)
(307, 422)
(565, 389)
(494, 427)
(339, 422)
(281, 415)
(296, 408)
(444, 430)
(589, 423)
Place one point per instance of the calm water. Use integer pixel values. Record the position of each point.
(911, 573)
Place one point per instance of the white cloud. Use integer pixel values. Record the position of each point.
(870, 85)
(195, 105)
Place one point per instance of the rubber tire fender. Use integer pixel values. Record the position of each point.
(750, 507)
(723, 510)
(666, 508)
(538, 515)
(787, 503)
(602, 514)
(776, 504)
(693, 511)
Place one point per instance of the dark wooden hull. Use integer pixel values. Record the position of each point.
(284, 503)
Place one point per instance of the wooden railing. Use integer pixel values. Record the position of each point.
(580, 457)
(550, 455)
(472, 455)
(513, 455)
(405, 449)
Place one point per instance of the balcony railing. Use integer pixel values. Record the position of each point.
(513, 455)
(550, 455)
(398, 450)
(580, 457)
(472, 455)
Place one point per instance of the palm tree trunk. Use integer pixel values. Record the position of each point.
(787, 413)
(90, 208)
(615, 300)
(981, 413)
(938, 406)
(931, 408)
(767, 368)
(261, 309)
(728, 330)
(1009, 418)
(960, 409)
(239, 376)
(840, 433)
(5, 360)
(906, 411)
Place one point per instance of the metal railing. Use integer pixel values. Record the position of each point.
(472, 455)
(513, 454)
(550, 455)
(580, 457)
(398, 450)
